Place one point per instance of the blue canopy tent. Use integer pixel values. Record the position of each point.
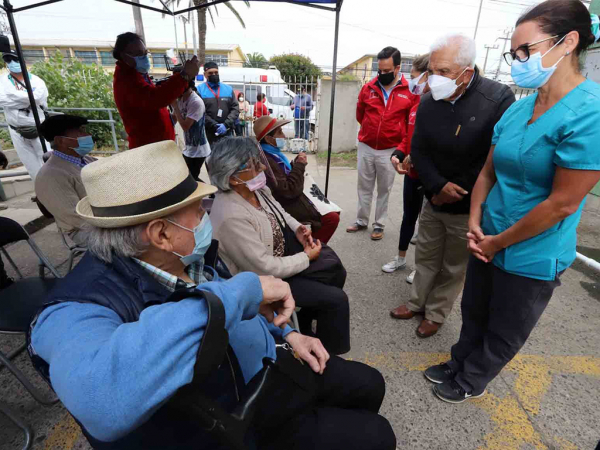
(319, 4)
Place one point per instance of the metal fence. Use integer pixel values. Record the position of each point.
(110, 120)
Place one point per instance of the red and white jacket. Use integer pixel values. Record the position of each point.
(384, 126)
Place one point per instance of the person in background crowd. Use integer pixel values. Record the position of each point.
(253, 230)
(260, 109)
(302, 107)
(222, 109)
(115, 344)
(19, 117)
(141, 104)
(242, 126)
(528, 199)
(452, 136)
(412, 198)
(190, 113)
(288, 186)
(58, 185)
(383, 127)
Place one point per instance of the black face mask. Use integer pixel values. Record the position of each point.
(386, 78)
(214, 79)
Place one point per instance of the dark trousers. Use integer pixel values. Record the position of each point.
(413, 201)
(195, 166)
(499, 311)
(302, 127)
(338, 410)
(329, 306)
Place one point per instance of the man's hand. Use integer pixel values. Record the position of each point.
(450, 193)
(304, 236)
(277, 299)
(309, 349)
(302, 108)
(407, 163)
(398, 166)
(191, 68)
(302, 158)
(313, 251)
(221, 129)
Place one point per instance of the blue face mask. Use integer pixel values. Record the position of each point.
(202, 237)
(531, 74)
(142, 63)
(280, 143)
(14, 66)
(85, 144)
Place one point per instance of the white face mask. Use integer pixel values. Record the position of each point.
(415, 86)
(443, 87)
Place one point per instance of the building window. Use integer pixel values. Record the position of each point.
(220, 59)
(52, 51)
(158, 60)
(87, 57)
(107, 59)
(33, 56)
(406, 65)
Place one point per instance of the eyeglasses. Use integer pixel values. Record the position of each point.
(522, 53)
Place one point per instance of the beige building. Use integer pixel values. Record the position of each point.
(365, 68)
(100, 52)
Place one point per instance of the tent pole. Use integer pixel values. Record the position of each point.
(338, 7)
(13, 28)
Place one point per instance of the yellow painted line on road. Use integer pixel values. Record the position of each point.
(512, 426)
(64, 435)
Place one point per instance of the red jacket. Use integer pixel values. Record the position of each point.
(260, 109)
(405, 147)
(143, 105)
(384, 126)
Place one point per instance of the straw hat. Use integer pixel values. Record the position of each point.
(265, 124)
(137, 186)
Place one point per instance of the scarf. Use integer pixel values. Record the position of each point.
(278, 155)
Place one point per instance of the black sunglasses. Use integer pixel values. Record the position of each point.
(522, 53)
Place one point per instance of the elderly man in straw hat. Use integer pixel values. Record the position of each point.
(116, 346)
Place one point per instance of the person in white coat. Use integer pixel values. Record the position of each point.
(18, 114)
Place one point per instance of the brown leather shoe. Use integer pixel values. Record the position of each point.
(402, 313)
(428, 328)
(355, 227)
(377, 234)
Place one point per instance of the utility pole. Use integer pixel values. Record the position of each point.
(478, 16)
(506, 38)
(184, 20)
(194, 32)
(137, 18)
(487, 52)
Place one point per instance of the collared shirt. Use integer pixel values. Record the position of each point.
(78, 161)
(526, 157)
(171, 282)
(386, 93)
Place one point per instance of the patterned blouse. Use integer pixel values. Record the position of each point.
(278, 239)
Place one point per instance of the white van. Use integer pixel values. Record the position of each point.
(253, 81)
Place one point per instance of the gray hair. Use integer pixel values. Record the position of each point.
(126, 242)
(467, 50)
(227, 157)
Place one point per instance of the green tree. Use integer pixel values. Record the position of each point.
(77, 85)
(294, 65)
(256, 60)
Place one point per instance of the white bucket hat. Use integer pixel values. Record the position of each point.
(137, 186)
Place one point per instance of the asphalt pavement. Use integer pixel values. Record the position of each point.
(547, 398)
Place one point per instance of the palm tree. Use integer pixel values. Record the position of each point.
(256, 59)
(202, 20)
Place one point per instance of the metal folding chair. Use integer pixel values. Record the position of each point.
(74, 249)
(20, 301)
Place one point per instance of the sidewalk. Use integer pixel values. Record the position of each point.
(547, 398)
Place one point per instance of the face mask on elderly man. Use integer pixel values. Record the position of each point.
(443, 87)
(202, 237)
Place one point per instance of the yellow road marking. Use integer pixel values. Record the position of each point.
(64, 435)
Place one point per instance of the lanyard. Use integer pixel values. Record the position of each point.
(218, 91)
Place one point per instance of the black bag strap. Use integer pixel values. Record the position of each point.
(278, 215)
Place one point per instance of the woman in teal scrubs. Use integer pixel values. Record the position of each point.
(527, 201)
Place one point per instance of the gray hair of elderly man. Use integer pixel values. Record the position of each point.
(467, 50)
(227, 157)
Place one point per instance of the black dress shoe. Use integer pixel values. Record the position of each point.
(452, 392)
(439, 374)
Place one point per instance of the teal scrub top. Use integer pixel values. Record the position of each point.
(525, 160)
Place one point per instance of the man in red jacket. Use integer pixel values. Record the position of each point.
(383, 109)
(141, 104)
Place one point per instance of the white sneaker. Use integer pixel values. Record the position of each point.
(411, 277)
(397, 263)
